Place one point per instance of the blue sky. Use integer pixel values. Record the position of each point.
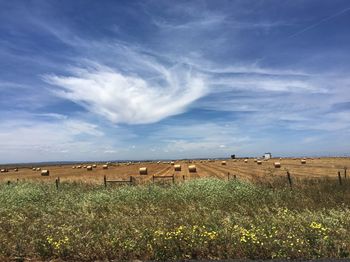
(98, 80)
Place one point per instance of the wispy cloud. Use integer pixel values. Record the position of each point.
(34, 139)
(130, 98)
(321, 21)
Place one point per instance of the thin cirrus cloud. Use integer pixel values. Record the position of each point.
(129, 98)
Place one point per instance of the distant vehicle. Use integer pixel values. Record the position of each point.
(233, 156)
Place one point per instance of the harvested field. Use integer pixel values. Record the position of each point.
(250, 171)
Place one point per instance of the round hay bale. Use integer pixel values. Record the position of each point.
(38, 169)
(105, 166)
(89, 168)
(177, 167)
(172, 163)
(255, 160)
(259, 162)
(94, 165)
(303, 161)
(223, 163)
(16, 169)
(2, 171)
(277, 164)
(192, 169)
(84, 166)
(45, 172)
(73, 167)
(78, 166)
(245, 160)
(143, 170)
(34, 169)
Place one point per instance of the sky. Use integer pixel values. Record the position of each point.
(115, 80)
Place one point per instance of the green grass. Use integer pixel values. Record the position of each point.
(199, 219)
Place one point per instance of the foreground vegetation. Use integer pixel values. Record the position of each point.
(199, 219)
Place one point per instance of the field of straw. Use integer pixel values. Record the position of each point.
(248, 171)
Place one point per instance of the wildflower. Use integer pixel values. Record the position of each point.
(315, 225)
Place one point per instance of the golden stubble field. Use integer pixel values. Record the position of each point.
(250, 170)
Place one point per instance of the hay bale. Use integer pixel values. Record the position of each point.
(45, 172)
(177, 167)
(223, 163)
(34, 169)
(84, 166)
(255, 160)
(245, 160)
(105, 166)
(94, 165)
(303, 161)
(2, 171)
(89, 168)
(16, 169)
(143, 170)
(172, 163)
(259, 162)
(38, 169)
(192, 169)
(78, 166)
(73, 167)
(277, 164)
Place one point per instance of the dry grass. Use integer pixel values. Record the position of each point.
(314, 168)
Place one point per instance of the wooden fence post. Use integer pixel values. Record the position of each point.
(153, 179)
(57, 181)
(234, 176)
(183, 177)
(228, 176)
(8, 182)
(339, 178)
(173, 178)
(345, 168)
(289, 179)
(105, 181)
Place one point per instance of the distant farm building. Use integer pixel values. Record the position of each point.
(267, 155)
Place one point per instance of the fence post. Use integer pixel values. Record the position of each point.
(153, 179)
(228, 176)
(345, 168)
(234, 176)
(105, 181)
(173, 178)
(183, 177)
(8, 182)
(289, 179)
(339, 178)
(57, 181)
(131, 180)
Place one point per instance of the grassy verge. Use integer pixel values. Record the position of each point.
(200, 219)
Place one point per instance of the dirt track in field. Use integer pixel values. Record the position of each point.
(313, 168)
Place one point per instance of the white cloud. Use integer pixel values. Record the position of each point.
(37, 140)
(130, 98)
(204, 139)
